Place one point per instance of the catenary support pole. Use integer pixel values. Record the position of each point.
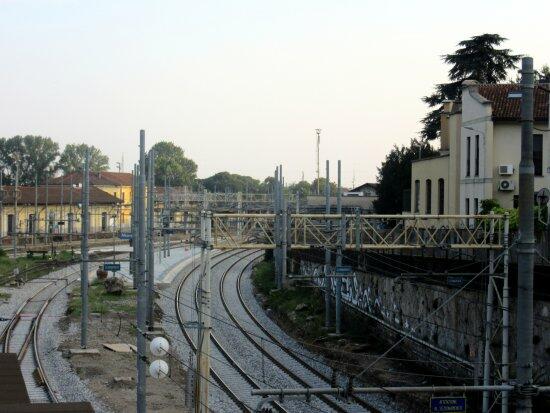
(505, 315)
(327, 250)
(85, 219)
(488, 323)
(135, 241)
(526, 242)
(15, 226)
(150, 240)
(338, 292)
(142, 293)
(284, 242)
(202, 405)
(276, 226)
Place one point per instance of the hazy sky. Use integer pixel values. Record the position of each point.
(241, 85)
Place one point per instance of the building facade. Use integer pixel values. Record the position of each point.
(481, 150)
(117, 184)
(55, 210)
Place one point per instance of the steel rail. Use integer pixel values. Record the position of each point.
(328, 401)
(219, 346)
(274, 339)
(191, 343)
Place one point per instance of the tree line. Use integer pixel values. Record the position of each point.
(38, 158)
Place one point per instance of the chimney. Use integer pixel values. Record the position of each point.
(445, 129)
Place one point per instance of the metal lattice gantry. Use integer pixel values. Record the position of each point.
(359, 232)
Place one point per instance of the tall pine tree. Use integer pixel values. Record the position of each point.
(477, 58)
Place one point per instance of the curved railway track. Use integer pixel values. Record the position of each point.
(20, 336)
(305, 364)
(304, 374)
(223, 352)
(307, 375)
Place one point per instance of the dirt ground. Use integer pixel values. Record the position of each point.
(99, 371)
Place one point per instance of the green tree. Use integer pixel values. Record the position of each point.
(394, 175)
(333, 186)
(302, 187)
(171, 163)
(36, 156)
(72, 158)
(477, 58)
(225, 181)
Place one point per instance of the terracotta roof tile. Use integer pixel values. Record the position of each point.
(506, 108)
(96, 178)
(27, 195)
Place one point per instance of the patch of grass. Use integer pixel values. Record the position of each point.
(100, 301)
(30, 268)
(307, 321)
(4, 296)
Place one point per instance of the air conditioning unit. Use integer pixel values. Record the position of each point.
(506, 169)
(506, 185)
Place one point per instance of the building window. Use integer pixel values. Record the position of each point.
(467, 206)
(104, 221)
(537, 154)
(441, 196)
(11, 224)
(428, 196)
(477, 156)
(476, 206)
(468, 154)
(416, 196)
(70, 218)
(30, 224)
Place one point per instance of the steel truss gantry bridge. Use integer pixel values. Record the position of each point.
(357, 232)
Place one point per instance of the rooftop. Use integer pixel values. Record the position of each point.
(54, 195)
(506, 103)
(96, 178)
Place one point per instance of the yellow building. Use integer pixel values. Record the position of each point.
(117, 184)
(56, 210)
(481, 150)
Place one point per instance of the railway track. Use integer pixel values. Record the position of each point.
(239, 382)
(271, 337)
(219, 352)
(20, 336)
(297, 369)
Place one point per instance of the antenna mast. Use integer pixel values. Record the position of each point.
(318, 132)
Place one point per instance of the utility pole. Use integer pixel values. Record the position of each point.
(150, 239)
(134, 254)
(35, 230)
(505, 314)
(525, 243)
(203, 360)
(318, 132)
(15, 212)
(488, 323)
(142, 293)
(276, 251)
(165, 218)
(340, 251)
(84, 251)
(327, 250)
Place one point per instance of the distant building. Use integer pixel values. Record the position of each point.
(118, 184)
(481, 150)
(56, 210)
(361, 197)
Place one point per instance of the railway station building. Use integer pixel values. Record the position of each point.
(481, 150)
